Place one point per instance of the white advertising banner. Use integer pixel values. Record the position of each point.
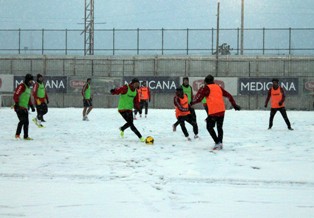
(6, 83)
(230, 84)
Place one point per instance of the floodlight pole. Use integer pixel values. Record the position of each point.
(89, 27)
(242, 27)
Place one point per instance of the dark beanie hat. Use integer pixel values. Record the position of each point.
(135, 80)
(28, 77)
(275, 80)
(179, 89)
(209, 79)
(39, 75)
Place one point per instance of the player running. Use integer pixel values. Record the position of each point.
(183, 113)
(188, 90)
(41, 100)
(216, 108)
(128, 100)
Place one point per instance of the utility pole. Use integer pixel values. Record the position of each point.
(89, 28)
(217, 37)
(242, 27)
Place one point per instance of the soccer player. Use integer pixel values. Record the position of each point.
(183, 113)
(87, 99)
(128, 100)
(187, 89)
(22, 101)
(277, 96)
(216, 108)
(144, 93)
(41, 100)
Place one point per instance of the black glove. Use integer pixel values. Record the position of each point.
(280, 103)
(33, 108)
(237, 107)
(265, 105)
(47, 101)
(111, 91)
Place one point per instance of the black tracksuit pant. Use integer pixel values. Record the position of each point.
(24, 122)
(211, 122)
(42, 109)
(192, 114)
(128, 116)
(144, 104)
(190, 120)
(283, 112)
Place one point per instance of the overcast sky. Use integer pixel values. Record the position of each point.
(61, 14)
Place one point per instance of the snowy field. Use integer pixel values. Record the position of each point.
(80, 169)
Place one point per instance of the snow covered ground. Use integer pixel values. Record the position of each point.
(74, 168)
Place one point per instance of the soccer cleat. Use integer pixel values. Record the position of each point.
(28, 138)
(35, 120)
(140, 115)
(218, 146)
(134, 118)
(174, 128)
(290, 128)
(196, 137)
(121, 133)
(17, 137)
(38, 123)
(145, 116)
(188, 138)
(142, 139)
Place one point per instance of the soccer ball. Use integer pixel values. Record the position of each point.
(149, 140)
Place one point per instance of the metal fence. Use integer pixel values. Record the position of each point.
(258, 41)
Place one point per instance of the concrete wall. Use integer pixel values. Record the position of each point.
(176, 66)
